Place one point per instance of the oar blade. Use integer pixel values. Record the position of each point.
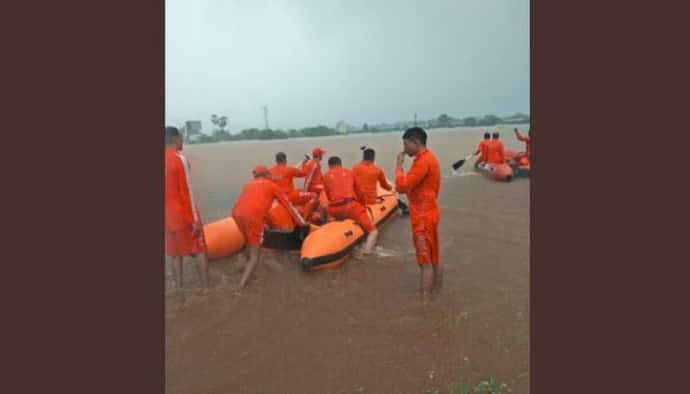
(458, 164)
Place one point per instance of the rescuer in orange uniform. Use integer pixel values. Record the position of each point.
(184, 233)
(422, 184)
(283, 175)
(250, 212)
(367, 176)
(481, 150)
(494, 152)
(528, 143)
(312, 168)
(342, 194)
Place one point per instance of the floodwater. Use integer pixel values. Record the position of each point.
(363, 327)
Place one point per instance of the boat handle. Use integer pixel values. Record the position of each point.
(348, 233)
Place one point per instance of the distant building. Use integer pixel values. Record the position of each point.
(342, 127)
(192, 129)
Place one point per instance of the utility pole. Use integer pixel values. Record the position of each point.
(266, 117)
(415, 119)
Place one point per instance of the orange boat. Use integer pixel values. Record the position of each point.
(521, 167)
(223, 238)
(500, 172)
(320, 246)
(509, 154)
(329, 245)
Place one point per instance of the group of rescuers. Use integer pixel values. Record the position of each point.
(348, 191)
(491, 152)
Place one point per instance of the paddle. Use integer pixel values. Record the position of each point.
(460, 162)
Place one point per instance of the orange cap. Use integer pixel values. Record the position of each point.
(260, 170)
(318, 152)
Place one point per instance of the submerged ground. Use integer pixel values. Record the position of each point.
(361, 328)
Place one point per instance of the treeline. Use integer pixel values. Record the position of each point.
(266, 134)
(442, 121)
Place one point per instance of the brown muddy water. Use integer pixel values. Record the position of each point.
(363, 327)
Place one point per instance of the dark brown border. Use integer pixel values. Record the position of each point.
(84, 274)
(83, 279)
(600, 253)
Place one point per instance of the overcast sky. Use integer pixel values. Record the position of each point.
(320, 61)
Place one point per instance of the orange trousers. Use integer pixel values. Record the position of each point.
(425, 238)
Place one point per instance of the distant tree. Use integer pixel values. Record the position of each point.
(365, 127)
(444, 120)
(490, 120)
(222, 122)
(469, 121)
(222, 135)
(279, 134)
(265, 134)
(207, 139)
(219, 121)
(249, 134)
(268, 134)
(318, 131)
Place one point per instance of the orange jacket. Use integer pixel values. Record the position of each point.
(256, 199)
(282, 175)
(179, 207)
(339, 185)
(367, 175)
(314, 177)
(494, 152)
(422, 185)
(482, 149)
(526, 140)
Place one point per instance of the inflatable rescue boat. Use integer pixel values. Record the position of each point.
(224, 238)
(521, 167)
(324, 246)
(329, 245)
(500, 172)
